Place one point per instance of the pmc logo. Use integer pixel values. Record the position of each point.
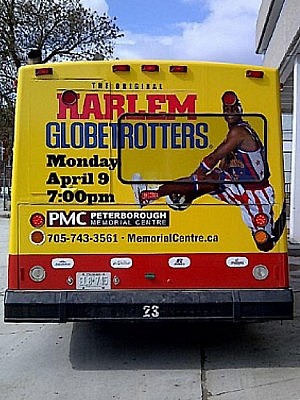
(61, 218)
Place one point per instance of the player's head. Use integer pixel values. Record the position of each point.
(231, 106)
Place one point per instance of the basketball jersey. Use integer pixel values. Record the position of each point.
(249, 166)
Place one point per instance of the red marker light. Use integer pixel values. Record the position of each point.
(121, 68)
(69, 97)
(150, 68)
(178, 68)
(43, 71)
(37, 220)
(254, 74)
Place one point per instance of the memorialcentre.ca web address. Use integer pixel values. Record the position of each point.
(171, 238)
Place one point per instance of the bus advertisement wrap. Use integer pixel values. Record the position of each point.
(147, 195)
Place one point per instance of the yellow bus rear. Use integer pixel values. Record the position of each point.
(91, 138)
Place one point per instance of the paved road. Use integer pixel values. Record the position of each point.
(160, 362)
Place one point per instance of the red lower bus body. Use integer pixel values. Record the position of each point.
(208, 289)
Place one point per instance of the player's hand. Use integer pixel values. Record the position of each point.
(200, 174)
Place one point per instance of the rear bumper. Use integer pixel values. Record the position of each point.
(206, 305)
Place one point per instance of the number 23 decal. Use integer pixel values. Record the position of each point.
(150, 311)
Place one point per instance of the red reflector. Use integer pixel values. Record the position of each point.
(37, 220)
(254, 74)
(69, 97)
(178, 68)
(261, 220)
(43, 71)
(121, 68)
(150, 68)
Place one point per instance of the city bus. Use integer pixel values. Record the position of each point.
(147, 190)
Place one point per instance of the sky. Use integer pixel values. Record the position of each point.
(205, 30)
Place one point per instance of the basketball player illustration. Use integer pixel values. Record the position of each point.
(236, 173)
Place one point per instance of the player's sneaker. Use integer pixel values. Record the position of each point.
(147, 196)
(177, 202)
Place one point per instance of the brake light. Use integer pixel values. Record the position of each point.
(150, 68)
(43, 71)
(261, 220)
(37, 220)
(121, 68)
(69, 97)
(254, 74)
(178, 68)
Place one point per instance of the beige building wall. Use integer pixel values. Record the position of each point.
(278, 40)
(282, 33)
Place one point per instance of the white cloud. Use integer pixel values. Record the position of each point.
(229, 8)
(226, 35)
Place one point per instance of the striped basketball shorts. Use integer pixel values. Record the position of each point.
(252, 202)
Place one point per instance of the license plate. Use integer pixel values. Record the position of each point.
(93, 280)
